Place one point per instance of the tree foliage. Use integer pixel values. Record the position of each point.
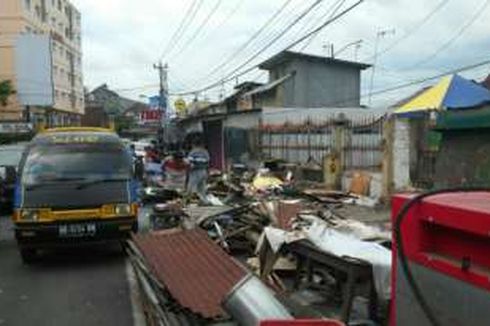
(6, 89)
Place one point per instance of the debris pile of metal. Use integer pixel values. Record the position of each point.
(316, 261)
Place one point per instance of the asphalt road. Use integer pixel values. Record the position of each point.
(77, 287)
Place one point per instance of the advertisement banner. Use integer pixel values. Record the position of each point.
(15, 128)
(150, 117)
(33, 70)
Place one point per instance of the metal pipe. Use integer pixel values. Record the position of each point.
(250, 302)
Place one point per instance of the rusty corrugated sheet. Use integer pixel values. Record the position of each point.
(197, 272)
(286, 212)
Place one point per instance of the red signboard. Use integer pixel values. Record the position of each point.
(150, 116)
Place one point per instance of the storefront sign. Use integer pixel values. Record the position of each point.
(15, 128)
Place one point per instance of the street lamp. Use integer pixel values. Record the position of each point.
(380, 34)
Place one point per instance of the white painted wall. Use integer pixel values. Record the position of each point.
(401, 154)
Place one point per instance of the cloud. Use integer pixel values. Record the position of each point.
(123, 38)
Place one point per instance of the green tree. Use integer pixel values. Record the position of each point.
(123, 123)
(6, 89)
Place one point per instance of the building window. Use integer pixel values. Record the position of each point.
(28, 4)
(60, 5)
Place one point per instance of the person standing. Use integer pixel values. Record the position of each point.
(175, 171)
(198, 171)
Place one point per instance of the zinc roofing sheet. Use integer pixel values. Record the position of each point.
(196, 271)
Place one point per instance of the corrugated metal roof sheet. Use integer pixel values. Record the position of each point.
(269, 86)
(278, 115)
(197, 272)
(285, 56)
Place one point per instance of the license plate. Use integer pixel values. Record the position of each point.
(77, 230)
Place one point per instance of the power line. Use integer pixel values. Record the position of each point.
(230, 58)
(458, 34)
(270, 43)
(418, 81)
(330, 12)
(185, 23)
(301, 39)
(267, 37)
(378, 92)
(179, 28)
(278, 36)
(413, 30)
(130, 89)
(232, 12)
(229, 16)
(199, 28)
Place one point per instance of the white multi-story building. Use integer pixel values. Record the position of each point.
(61, 21)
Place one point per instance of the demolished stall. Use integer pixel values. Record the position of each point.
(314, 260)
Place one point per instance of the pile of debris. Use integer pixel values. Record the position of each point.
(292, 243)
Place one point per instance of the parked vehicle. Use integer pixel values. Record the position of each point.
(75, 186)
(10, 156)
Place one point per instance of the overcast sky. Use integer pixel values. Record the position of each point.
(123, 38)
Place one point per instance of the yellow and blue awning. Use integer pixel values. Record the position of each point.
(451, 92)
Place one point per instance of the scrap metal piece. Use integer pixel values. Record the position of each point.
(251, 302)
(196, 272)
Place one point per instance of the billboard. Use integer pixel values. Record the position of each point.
(15, 128)
(33, 70)
(150, 116)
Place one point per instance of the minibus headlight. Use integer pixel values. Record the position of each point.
(29, 215)
(123, 210)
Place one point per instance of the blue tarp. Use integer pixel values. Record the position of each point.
(464, 93)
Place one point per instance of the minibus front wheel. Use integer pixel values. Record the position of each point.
(28, 255)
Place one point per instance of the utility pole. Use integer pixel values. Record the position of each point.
(163, 96)
(380, 34)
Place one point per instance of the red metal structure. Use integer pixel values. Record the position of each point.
(312, 322)
(446, 239)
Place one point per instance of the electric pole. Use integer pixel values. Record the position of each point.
(379, 35)
(163, 96)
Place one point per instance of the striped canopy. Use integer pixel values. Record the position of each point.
(452, 92)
